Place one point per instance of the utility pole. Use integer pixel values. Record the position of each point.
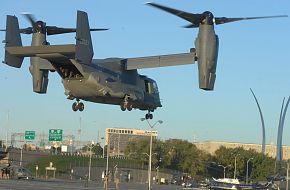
(90, 162)
(6, 143)
(287, 179)
(150, 149)
(247, 174)
(235, 172)
(80, 133)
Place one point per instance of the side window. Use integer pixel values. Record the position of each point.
(151, 87)
(147, 86)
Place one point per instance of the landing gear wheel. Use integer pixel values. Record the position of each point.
(123, 108)
(78, 106)
(129, 107)
(75, 106)
(81, 106)
(126, 104)
(149, 116)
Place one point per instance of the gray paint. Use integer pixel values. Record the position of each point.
(39, 76)
(102, 81)
(108, 81)
(84, 47)
(12, 39)
(159, 61)
(206, 45)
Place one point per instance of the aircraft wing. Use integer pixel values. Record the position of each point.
(30, 51)
(159, 61)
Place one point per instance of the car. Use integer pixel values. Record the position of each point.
(19, 172)
(276, 178)
(190, 184)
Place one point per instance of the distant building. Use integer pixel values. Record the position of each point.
(118, 138)
(270, 149)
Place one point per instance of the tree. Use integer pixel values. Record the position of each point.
(183, 156)
(259, 167)
(96, 149)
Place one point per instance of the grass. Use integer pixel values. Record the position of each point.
(65, 163)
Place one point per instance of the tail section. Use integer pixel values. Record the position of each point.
(43, 56)
(12, 39)
(84, 48)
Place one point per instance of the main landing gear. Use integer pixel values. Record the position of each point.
(149, 115)
(78, 106)
(125, 105)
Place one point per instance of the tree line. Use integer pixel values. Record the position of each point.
(185, 157)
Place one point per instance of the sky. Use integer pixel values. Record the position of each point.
(252, 54)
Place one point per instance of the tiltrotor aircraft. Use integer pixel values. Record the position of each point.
(113, 80)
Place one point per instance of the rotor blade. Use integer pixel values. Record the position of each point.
(53, 30)
(28, 30)
(195, 19)
(223, 20)
(22, 31)
(190, 26)
(30, 18)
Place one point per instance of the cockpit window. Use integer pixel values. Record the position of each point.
(151, 87)
(155, 87)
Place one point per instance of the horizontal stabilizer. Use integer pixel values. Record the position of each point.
(159, 61)
(32, 51)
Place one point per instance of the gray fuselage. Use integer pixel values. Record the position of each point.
(105, 81)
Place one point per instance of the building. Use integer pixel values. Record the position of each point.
(270, 149)
(118, 138)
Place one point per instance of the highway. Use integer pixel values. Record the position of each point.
(72, 185)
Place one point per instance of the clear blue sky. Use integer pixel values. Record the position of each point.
(252, 54)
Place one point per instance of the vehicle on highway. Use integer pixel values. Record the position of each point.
(19, 172)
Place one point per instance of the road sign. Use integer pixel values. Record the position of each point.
(55, 134)
(29, 135)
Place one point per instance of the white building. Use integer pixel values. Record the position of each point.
(118, 138)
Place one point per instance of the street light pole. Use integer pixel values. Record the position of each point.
(224, 169)
(248, 169)
(107, 165)
(150, 162)
(150, 151)
(6, 143)
(235, 166)
(90, 163)
(287, 176)
(103, 147)
(21, 155)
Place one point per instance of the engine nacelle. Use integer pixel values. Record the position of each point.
(206, 45)
(39, 76)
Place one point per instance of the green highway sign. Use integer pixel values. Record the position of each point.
(55, 135)
(29, 135)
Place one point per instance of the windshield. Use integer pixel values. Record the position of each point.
(155, 87)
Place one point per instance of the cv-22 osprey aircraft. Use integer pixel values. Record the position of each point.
(108, 81)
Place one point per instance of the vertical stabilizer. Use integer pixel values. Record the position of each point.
(84, 47)
(12, 39)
